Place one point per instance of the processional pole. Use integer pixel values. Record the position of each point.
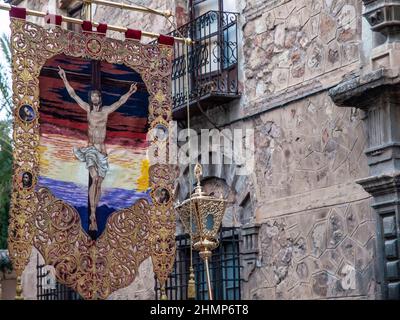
(200, 214)
(191, 292)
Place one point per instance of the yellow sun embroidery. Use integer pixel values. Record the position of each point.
(143, 181)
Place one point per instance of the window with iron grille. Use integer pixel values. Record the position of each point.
(224, 269)
(49, 289)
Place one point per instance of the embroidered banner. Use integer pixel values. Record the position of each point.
(87, 192)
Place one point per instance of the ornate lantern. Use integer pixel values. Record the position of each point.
(201, 216)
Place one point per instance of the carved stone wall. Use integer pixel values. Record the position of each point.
(320, 253)
(297, 45)
(316, 236)
(374, 89)
(310, 144)
(317, 231)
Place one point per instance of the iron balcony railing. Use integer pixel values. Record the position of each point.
(212, 60)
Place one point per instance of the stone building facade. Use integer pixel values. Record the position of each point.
(315, 232)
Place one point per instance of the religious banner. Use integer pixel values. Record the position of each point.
(87, 193)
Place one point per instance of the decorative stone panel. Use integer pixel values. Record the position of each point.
(315, 255)
(289, 45)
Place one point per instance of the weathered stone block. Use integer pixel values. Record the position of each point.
(279, 38)
(350, 52)
(333, 56)
(318, 239)
(394, 291)
(322, 284)
(336, 231)
(391, 249)
(347, 249)
(393, 269)
(316, 60)
(389, 226)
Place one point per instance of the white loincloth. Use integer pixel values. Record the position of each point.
(93, 158)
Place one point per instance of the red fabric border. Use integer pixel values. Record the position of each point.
(87, 26)
(102, 28)
(49, 18)
(133, 34)
(17, 12)
(167, 40)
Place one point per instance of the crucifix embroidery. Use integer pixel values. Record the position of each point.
(94, 155)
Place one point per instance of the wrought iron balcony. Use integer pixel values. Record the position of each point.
(212, 62)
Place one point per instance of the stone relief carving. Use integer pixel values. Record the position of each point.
(297, 33)
(298, 260)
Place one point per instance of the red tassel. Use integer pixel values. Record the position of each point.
(19, 13)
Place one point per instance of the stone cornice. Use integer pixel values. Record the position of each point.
(381, 184)
(358, 89)
(257, 10)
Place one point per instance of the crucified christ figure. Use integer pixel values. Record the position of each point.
(95, 154)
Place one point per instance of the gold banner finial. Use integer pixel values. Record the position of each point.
(163, 294)
(191, 293)
(198, 171)
(168, 13)
(18, 289)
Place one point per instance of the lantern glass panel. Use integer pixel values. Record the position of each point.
(210, 222)
(194, 226)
